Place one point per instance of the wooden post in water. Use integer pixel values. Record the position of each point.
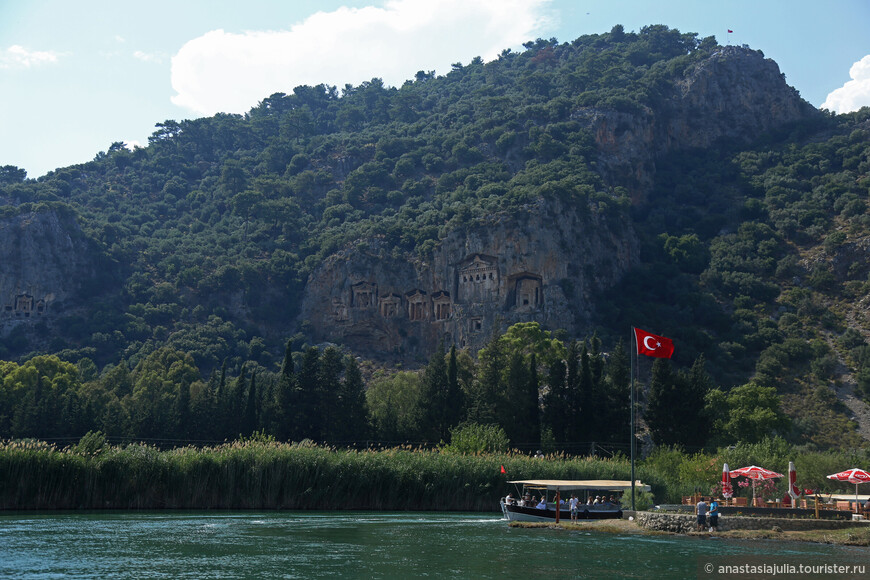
(558, 508)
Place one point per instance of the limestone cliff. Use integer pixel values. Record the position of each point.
(735, 94)
(541, 264)
(45, 261)
(544, 262)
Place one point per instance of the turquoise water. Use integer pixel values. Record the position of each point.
(355, 545)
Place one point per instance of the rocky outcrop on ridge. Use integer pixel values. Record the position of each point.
(46, 262)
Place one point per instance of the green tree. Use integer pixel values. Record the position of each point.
(153, 403)
(748, 414)
(393, 402)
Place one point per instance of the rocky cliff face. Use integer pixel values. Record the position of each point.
(545, 262)
(736, 94)
(542, 264)
(45, 260)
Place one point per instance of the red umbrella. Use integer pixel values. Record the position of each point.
(727, 488)
(793, 490)
(854, 475)
(755, 473)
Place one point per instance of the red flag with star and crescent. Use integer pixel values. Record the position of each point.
(653, 345)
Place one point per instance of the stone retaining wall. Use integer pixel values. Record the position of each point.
(682, 523)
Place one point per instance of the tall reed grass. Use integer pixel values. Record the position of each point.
(270, 475)
(262, 474)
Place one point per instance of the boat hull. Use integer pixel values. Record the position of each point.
(515, 513)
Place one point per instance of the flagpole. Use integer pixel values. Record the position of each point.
(631, 372)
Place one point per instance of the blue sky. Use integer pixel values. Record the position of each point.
(76, 76)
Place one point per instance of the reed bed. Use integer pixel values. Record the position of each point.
(270, 475)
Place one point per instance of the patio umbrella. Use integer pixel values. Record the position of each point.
(854, 475)
(793, 490)
(727, 488)
(755, 473)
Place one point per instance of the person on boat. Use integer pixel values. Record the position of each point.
(714, 515)
(613, 501)
(597, 500)
(701, 511)
(542, 505)
(572, 503)
(509, 500)
(589, 500)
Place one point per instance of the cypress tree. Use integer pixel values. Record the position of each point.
(309, 421)
(617, 396)
(353, 422)
(287, 416)
(663, 412)
(487, 388)
(433, 398)
(455, 409)
(533, 405)
(249, 421)
(515, 415)
(327, 394)
(572, 393)
(556, 410)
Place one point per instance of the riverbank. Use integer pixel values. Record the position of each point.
(857, 535)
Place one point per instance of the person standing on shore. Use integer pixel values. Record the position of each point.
(701, 511)
(714, 515)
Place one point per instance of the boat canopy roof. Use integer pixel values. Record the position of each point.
(569, 484)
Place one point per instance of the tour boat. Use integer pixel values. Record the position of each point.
(586, 488)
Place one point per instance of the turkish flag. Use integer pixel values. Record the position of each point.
(653, 345)
(502, 469)
(730, 31)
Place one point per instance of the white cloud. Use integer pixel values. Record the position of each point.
(225, 72)
(148, 56)
(16, 56)
(854, 94)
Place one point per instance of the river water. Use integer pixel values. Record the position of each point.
(359, 545)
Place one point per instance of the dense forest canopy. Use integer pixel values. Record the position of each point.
(752, 256)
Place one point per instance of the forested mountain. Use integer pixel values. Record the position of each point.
(650, 179)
